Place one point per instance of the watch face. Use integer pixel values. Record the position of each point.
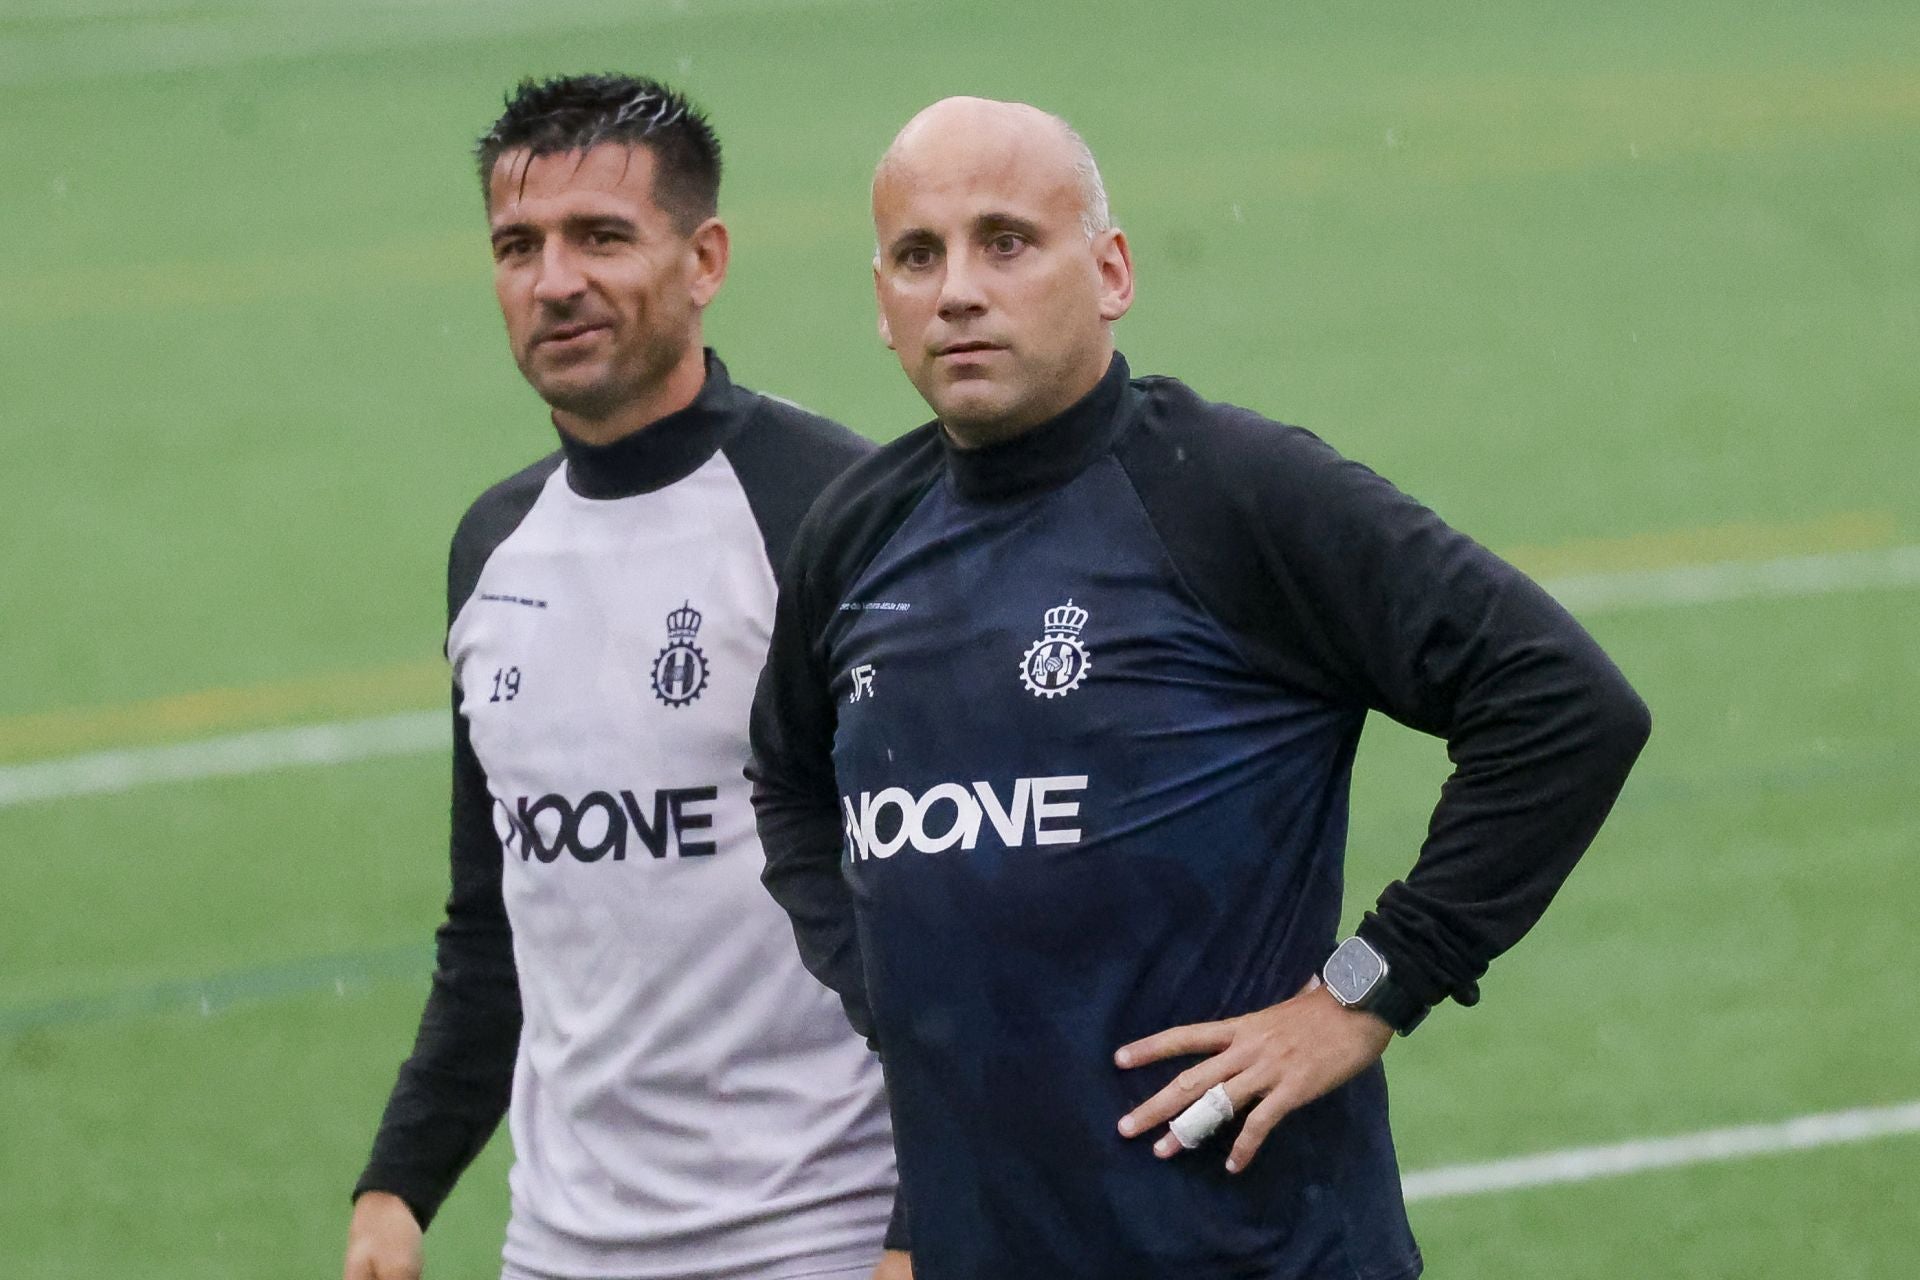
(1352, 970)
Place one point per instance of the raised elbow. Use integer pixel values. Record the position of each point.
(1623, 720)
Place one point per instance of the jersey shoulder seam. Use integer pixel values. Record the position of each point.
(892, 474)
(488, 522)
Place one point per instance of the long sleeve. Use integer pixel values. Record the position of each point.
(795, 799)
(1334, 580)
(796, 809)
(796, 804)
(453, 1089)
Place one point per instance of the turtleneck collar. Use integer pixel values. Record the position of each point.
(1048, 455)
(664, 451)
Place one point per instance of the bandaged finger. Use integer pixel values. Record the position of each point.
(1200, 1121)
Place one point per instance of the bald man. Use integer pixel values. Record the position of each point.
(1051, 761)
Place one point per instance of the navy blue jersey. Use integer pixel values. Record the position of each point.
(1052, 752)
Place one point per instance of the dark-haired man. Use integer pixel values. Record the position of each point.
(1051, 758)
(685, 1100)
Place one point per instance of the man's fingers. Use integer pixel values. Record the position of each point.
(1272, 1109)
(1197, 1037)
(383, 1240)
(383, 1268)
(1182, 1092)
(370, 1265)
(1268, 1063)
(1213, 1112)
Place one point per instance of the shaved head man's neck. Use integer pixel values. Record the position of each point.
(997, 271)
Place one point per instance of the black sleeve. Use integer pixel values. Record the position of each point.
(453, 1089)
(795, 801)
(784, 458)
(899, 1230)
(1335, 581)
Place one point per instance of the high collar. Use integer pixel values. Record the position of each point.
(664, 451)
(1048, 455)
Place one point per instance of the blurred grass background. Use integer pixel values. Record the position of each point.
(1612, 287)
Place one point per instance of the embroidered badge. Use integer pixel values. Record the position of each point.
(1057, 661)
(680, 672)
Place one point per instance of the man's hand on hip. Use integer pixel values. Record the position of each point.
(1270, 1062)
(383, 1241)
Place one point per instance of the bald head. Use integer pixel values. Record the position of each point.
(983, 126)
(996, 270)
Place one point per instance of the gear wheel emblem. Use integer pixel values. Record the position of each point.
(679, 674)
(1054, 667)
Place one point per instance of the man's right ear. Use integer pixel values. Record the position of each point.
(886, 330)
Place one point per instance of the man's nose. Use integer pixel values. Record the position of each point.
(962, 288)
(560, 279)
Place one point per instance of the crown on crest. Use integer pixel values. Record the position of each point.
(683, 623)
(1066, 619)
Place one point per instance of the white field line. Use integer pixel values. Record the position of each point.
(1584, 1164)
(233, 755)
(422, 731)
(1726, 580)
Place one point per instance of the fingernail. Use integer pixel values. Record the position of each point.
(1122, 1059)
(1233, 1166)
(1165, 1147)
(1127, 1126)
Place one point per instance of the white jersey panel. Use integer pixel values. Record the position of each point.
(688, 1101)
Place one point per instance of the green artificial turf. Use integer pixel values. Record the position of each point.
(1571, 274)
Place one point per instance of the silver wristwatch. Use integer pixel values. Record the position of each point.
(1360, 978)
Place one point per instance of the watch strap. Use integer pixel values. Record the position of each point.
(1389, 1002)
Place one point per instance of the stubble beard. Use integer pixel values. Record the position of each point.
(1005, 411)
(616, 388)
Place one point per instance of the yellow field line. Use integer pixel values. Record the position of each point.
(45, 734)
(1849, 531)
(415, 685)
(448, 258)
(1595, 120)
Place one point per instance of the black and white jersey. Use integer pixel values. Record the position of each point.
(1052, 753)
(686, 1099)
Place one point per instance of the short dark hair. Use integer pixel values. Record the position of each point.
(573, 113)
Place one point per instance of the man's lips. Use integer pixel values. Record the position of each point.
(966, 348)
(567, 333)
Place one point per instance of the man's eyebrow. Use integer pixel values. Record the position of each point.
(600, 222)
(912, 235)
(988, 224)
(575, 223)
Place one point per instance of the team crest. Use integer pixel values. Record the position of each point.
(1057, 662)
(680, 672)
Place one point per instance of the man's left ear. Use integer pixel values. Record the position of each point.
(711, 247)
(1115, 262)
